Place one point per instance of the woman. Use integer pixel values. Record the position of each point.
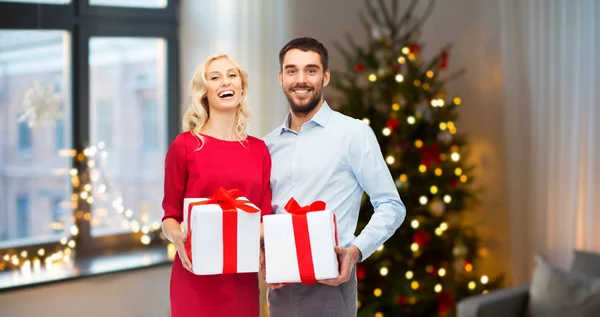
(214, 151)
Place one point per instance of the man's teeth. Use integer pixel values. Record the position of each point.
(301, 91)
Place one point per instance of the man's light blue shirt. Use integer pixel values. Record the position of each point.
(335, 158)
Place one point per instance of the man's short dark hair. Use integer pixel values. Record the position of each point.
(305, 44)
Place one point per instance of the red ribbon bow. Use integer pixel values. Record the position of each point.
(230, 202)
(302, 237)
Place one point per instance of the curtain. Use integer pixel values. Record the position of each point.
(550, 50)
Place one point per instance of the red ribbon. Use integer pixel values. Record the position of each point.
(230, 203)
(302, 237)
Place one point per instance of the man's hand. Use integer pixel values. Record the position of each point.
(263, 270)
(347, 258)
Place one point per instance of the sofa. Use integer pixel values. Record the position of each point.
(551, 293)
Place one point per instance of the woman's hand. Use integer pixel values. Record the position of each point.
(178, 238)
(173, 232)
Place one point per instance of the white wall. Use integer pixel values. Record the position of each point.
(143, 293)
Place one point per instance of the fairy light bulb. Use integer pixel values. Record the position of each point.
(414, 224)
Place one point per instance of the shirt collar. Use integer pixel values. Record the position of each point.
(321, 118)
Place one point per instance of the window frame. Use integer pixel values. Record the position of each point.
(84, 21)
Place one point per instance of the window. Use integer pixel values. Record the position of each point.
(22, 217)
(58, 215)
(129, 71)
(149, 125)
(33, 109)
(78, 92)
(131, 3)
(24, 137)
(39, 1)
(59, 143)
(104, 123)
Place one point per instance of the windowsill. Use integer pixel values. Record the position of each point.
(85, 267)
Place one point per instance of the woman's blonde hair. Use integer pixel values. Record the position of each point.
(198, 111)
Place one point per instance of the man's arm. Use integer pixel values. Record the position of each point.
(374, 177)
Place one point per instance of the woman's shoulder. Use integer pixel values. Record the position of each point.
(257, 143)
(184, 139)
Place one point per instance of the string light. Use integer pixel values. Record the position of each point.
(429, 74)
(469, 267)
(484, 279)
(409, 275)
(383, 271)
(437, 102)
(443, 126)
(390, 160)
(386, 131)
(414, 247)
(410, 120)
(366, 120)
(405, 50)
(433, 189)
(395, 107)
(472, 285)
(83, 191)
(419, 144)
(447, 199)
(457, 101)
(401, 60)
(455, 157)
(372, 78)
(438, 288)
(438, 171)
(442, 272)
(414, 224)
(399, 78)
(380, 248)
(423, 200)
(377, 292)
(422, 168)
(414, 285)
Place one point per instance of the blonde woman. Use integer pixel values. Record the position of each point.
(214, 151)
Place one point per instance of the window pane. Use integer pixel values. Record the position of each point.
(35, 160)
(131, 3)
(128, 123)
(39, 1)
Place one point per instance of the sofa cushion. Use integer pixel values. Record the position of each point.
(556, 293)
(586, 263)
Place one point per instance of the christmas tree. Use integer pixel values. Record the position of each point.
(429, 264)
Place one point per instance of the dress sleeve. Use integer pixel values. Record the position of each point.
(175, 179)
(265, 200)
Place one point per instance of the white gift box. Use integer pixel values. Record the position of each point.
(281, 254)
(208, 243)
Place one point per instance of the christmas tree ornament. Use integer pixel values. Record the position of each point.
(445, 137)
(40, 105)
(424, 112)
(460, 251)
(437, 207)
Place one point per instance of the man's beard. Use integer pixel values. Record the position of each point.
(305, 108)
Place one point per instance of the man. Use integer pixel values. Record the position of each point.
(321, 154)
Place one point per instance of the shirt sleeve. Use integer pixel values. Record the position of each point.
(176, 175)
(374, 177)
(266, 195)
